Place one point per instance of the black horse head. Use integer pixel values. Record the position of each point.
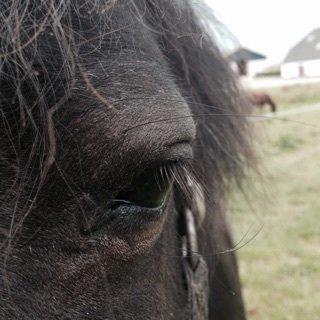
(116, 117)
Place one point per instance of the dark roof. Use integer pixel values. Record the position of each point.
(307, 49)
(243, 54)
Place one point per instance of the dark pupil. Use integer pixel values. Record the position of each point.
(148, 190)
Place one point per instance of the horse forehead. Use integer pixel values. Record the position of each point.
(126, 97)
(120, 33)
(121, 57)
(145, 112)
(127, 88)
(113, 41)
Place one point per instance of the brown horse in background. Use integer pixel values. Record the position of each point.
(260, 99)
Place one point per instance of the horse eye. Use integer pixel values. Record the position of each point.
(149, 189)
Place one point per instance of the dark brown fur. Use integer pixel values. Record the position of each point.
(92, 94)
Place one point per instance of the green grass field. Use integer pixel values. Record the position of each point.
(294, 96)
(278, 222)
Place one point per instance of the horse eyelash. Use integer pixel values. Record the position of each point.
(181, 175)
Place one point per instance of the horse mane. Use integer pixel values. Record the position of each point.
(223, 150)
(212, 91)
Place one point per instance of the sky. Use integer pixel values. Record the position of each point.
(270, 27)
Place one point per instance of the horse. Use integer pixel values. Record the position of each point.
(260, 99)
(122, 131)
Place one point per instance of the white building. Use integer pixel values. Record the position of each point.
(303, 60)
(242, 60)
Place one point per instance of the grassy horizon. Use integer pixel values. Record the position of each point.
(293, 96)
